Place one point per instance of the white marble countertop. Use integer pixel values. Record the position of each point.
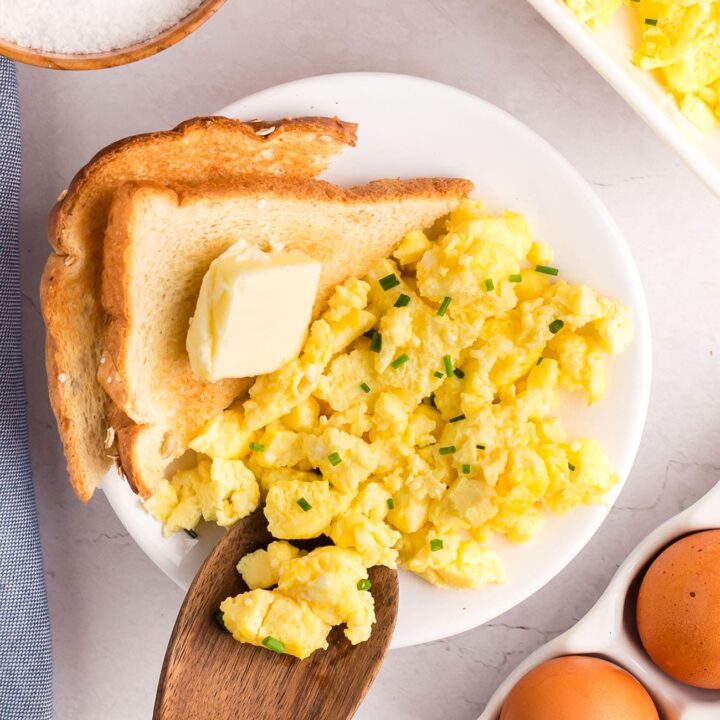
(112, 610)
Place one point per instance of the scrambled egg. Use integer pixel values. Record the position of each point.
(416, 423)
(680, 41)
(315, 591)
(218, 490)
(595, 13)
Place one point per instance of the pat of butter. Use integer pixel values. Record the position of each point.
(252, 313)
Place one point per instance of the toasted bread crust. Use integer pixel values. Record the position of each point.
(133, 458)
(70, 284)
(385, 190)
(336, 130)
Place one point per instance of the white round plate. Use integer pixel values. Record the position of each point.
(409, 127)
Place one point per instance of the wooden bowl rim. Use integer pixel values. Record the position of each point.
(121, 56)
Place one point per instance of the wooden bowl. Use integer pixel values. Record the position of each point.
(120, 56)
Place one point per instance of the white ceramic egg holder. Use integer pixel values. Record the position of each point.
(608, 630)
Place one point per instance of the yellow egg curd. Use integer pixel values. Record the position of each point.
(680, 41)
(312, 593)
(417, 422)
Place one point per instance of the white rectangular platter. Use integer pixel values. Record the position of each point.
(610, 52)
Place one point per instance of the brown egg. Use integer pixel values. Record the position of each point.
(678, 610)
(578, 688)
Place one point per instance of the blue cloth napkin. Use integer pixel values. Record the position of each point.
(25, 648)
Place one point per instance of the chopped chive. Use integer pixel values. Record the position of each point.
(191, 533)
(651, 21)
(447, 361)
(438, 374)
(369, 334)
(555, 326)
(364, 584)
(400, 361)
(365, 387)
(390, 504)
(257, 447)
(458, 373)
(466, 469)
(273, 644)
(304, 504)
(436, 544)
(402, 300)
(376, 342)
(449, 450)
(457, 418)
(540, 359)
(480, 447)
(389, 281)
(444, 305)
(515, 278)
(571, 467)
(334, 459)
(220, 620)
(546, 269)
(489, 284)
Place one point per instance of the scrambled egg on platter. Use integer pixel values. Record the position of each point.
(416, 423)
(680, 42)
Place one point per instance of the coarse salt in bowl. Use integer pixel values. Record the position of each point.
(89, 34)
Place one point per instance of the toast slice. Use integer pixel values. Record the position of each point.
(195, 152)
(159, 244)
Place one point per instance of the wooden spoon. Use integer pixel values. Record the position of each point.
(207, 675)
